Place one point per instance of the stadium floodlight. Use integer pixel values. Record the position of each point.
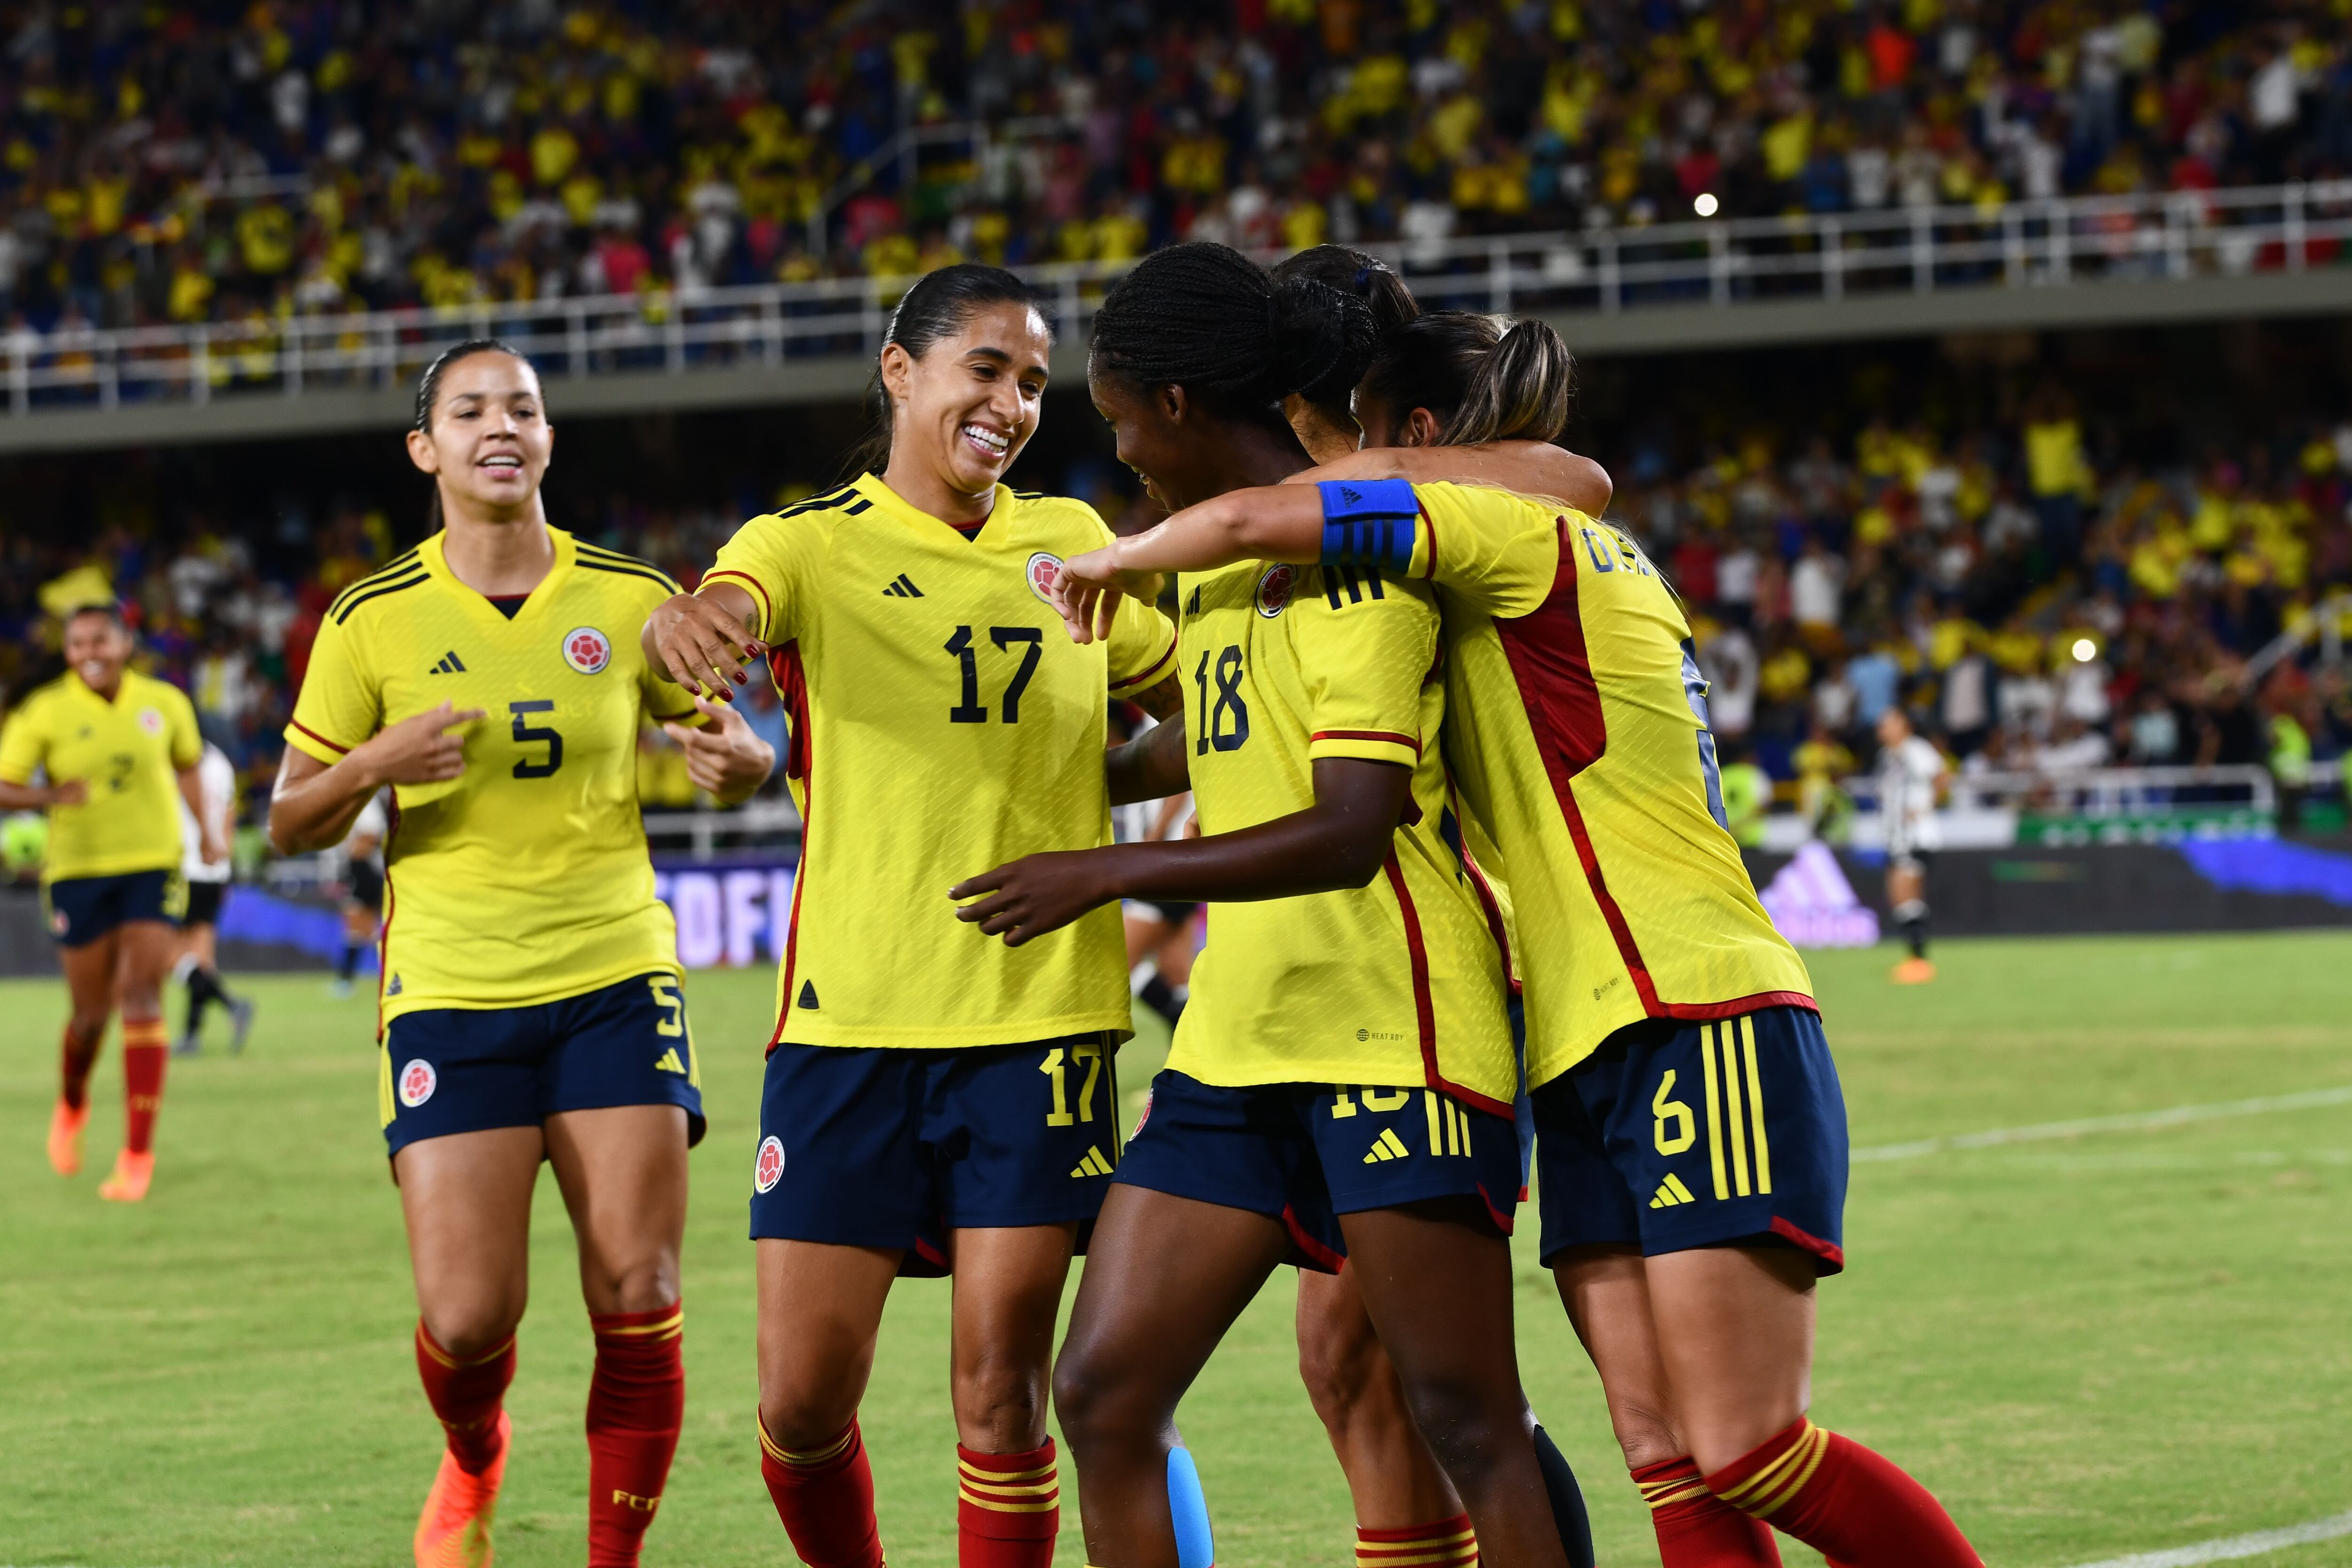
(1704, 204)
(2086, 651)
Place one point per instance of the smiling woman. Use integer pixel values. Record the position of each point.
(529, 1019)
(934, 1103)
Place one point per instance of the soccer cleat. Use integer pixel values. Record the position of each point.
(240, 1013)
(1912, 972)
(188, 1045)
(453, 1531)
(341, 990)
(132, 1175)
(65, 1139)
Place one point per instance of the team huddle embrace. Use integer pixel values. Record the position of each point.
(1474, 925)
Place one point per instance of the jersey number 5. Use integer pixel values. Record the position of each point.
(969, 710)
(527, 734)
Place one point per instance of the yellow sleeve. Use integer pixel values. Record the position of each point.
(339, 705)
(1496, 552)
(23, 744)
(1142, 647)
(187, 741)
(772, 559)
(1365, 647)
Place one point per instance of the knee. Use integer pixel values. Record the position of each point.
(1095, 1401)
(644, 1285)
(1336, 1374)
(469, 1331)
(88, 1022)
(1645, 1432)
(1002, 1403)
(1466, 1429)
(801, 1418)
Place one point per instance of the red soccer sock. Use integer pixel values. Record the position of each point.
(143, 1055)
(465, 1395)
(1696, 1527)
(635, 1403)
(825, 1498)
(1844, 1501)
(75, 1056)
(1008, 1508)
(1446, 1544)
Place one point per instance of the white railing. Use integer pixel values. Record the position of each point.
(769, 824)
(2177, 236)
(2094, 793)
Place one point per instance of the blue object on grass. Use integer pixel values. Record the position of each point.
(1189, 1510)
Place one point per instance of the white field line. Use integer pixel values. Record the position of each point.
(2136, 1122)
(2231, 1546)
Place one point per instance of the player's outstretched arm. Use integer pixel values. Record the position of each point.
(1153, 766)
(1530, 467)
(1338, 842)
(313, 804)
(1268, 523)
(40, 797)
(703, 640)
(723, 756)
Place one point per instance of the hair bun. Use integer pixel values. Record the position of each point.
(1323, 340)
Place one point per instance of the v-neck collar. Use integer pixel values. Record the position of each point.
(873, 488)
(121, 689)
(478, 604)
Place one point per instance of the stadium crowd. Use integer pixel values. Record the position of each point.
(2038, 599)
(185, 163)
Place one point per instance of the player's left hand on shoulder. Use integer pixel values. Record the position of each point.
(1033, 896)
(723, 757)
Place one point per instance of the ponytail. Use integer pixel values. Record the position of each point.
(1486, 378)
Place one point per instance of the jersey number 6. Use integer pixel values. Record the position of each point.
(528, 734)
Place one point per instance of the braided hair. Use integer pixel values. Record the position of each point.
(1356, 272)
(1207, 318)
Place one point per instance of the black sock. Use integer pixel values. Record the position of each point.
(1162, 997)
(1915, 931)
(351, 961)
(1566, 1501)
(204, 990)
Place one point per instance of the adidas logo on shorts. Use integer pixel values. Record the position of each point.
(1671, 1193)
(1387, 1146)
(1093, 1165)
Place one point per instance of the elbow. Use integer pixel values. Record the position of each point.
(1355, 857)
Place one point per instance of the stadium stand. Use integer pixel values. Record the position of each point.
(183, 163)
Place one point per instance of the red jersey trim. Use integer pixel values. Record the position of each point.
(322, 739)
(1317, 1255)
(1425, 1005)
(792, 684)
(390, 907)
(1168, 658)
(1389, 736)
(767, 611)
(1429, 528)
(1707, 1012)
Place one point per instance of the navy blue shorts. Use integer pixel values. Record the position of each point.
(895, 1146)
(83, 909)
(1672, 1135)
(1305, 1153)
(468, 1070)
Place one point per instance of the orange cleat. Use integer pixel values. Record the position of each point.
(454, 1532)
(65, 1139)
(132, 1175)
(1912, 972)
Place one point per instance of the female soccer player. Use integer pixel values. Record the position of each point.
(197, 966)
(1404, 1503)
(1686, 1251)
(1344, 1072)
(530, 994)
(116, 745)
(934, 1103)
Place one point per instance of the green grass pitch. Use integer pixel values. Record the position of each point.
(2113, 1343)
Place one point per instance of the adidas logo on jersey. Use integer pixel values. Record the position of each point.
(902, 587)
(808, 995)
(450, 665)
(1671, 1193)
(1812, 903)
(1093, 1165)
(668, 1062)
(1387, 1146)
(392, 989)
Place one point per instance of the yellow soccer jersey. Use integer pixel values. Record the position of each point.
(128, 752)
(525, 880)
(1398, 984)
(1576, 726)
(942, 724)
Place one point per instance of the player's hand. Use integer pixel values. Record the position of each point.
(214, 849)
(1089, 588)
(428, 749)
(700, 646)
(725, 757)
(1034, 895)
(73, 791)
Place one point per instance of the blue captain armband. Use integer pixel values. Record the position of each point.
(1369, 523)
